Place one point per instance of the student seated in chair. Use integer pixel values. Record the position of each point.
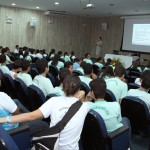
(69, 65)
(110, 111)
(62, 74)
(23, 75)
(142, 92)
(40, 80)
(56, 108)
(16, 68)
(117, 84)
(3, 66)
(9, 107)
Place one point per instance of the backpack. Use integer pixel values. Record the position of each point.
(48, 139)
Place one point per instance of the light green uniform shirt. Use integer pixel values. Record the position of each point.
(85, 79)
(65, 58)
(26, 78)
(118, 87)
(44, 84)
(5, 69)
(99, 65)
(59, 64)
(110, 112)
(28, 58)
(88, 61)
(7, 60)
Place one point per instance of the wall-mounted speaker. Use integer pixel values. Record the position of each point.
(33, 22)
(104, 26)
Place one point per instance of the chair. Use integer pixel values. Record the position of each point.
(53, 70)
(33, 72)
(110, 97)
(137, 112)
(131, 79)
(8, 86)
(9, 66)
(96, 69)
(85, 88)
(36, 96)
(50, 96)
(52, 79)
(95, 137)
(133, 86)
(16, 139)
(77, 72)
(22, 93)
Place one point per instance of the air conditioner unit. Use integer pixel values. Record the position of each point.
(90, 5)
(53, 12)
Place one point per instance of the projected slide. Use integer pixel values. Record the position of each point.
(141, 34)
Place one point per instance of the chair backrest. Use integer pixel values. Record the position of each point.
(6, 140)
(53, 70)
(77, 72)
(8, 85)
(94, 133)
(85, 88)
(133, 86)
(110, 97)
(36, 96)
(95, 137)
(52, 79)
(96, 69)
(137, 112)
(33, 72)
(22, 93)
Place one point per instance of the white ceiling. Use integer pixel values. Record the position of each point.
(77, 7)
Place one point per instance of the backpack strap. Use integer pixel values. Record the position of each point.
(62, 123)
(70, 113)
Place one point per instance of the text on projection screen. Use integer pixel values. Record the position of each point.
(141, 34)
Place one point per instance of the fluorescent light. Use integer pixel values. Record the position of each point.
(13, 4)
(37, 7)
(56, 3)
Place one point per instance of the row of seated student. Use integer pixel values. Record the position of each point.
(96, 89)
(56, 108)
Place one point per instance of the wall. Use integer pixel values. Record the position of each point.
(66, 33)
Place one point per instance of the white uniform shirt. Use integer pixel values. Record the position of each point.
(5, 69)
(56, 108)
(44, 84)
(88, 61)
(143, 95)
(85, 79)
(118, 87)
(7, 107)
(99, 65)
(59, 64)
(26, 78)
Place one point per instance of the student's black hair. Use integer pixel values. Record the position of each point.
(108, 62)
(55, 60)
(119, 71)
(145, 73)
(17, 64)
(17, 46)
(98, 86)
(146, 82)
(52, 52)
(87, 68)
(4, 50)
(65, 53)
(107, 72)
(2, 59)
(98, 59)
(87, 54)
(41, 64)
(26, 53)
(63, 73)
(71, 85)
(59, 53)
(25, 64)
(83, 63)
(68, 64)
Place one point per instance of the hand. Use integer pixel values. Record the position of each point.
(80, 95)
